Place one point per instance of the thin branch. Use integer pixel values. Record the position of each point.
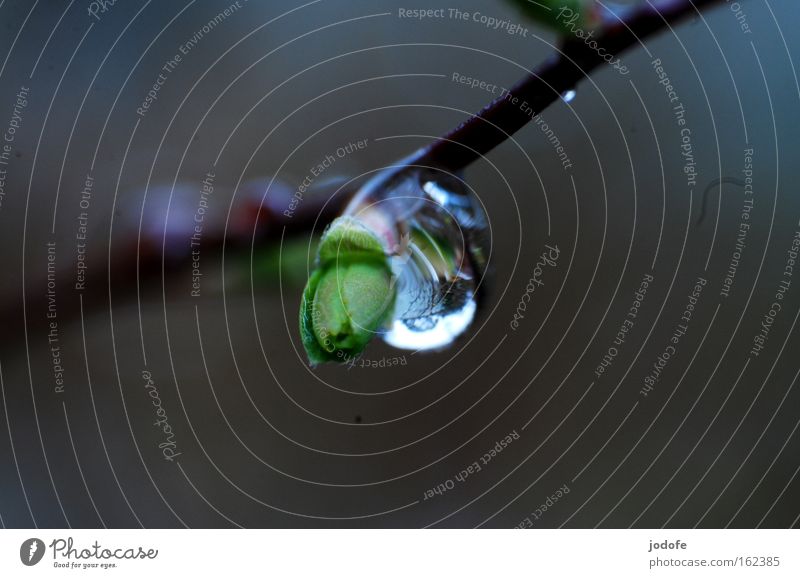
(504, 116)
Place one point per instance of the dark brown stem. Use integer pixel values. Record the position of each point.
(506, 115)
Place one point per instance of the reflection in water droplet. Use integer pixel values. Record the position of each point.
(569, 95)
(439, 330)
(436, 236)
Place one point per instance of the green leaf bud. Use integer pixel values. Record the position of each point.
(349, 297)
(561, 15)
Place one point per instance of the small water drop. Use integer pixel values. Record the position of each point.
(568, 96)
(436, 237)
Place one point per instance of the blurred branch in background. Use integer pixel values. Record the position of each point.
(140, 256)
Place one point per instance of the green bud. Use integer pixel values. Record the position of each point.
(350, 295)
(346, 239)
(560, 15)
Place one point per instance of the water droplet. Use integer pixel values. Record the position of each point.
(568, 96)
(436, 237)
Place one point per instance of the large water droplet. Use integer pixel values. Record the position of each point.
(436, 236)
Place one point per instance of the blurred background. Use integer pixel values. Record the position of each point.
(152, 396)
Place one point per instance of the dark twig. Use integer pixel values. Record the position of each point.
(503, 117)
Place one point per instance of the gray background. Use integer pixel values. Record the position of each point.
(264, 440)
